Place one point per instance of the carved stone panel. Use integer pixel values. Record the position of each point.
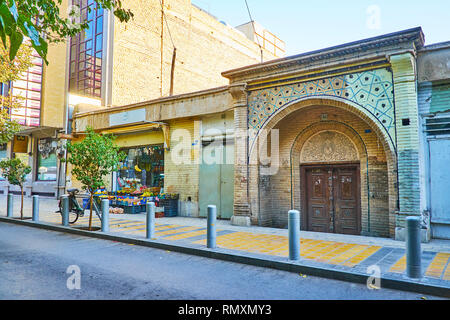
(328, 146)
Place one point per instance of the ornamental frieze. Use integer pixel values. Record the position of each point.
(372, 91)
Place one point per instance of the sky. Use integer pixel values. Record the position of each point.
(312, 25)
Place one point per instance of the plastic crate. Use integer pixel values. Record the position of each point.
(170, 207)
(86, 203)
(131, 209)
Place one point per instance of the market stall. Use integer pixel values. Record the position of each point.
(140, 179)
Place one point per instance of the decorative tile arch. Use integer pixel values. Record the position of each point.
(371, 92)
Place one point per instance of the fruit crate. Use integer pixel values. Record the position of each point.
(131, 209)
(170, 207)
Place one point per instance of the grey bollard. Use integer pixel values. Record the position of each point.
(65, 210)
(150, 208)
(105, 215)
(294, 235)
(10, 211)
(413, 248)
(211, 227)
(35, 208)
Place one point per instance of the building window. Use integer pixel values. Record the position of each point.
(143, 166)
(86, 50)
(46, 160)
(29, 87)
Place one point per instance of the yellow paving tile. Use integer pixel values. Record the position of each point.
(314, 248)
(340, 248)
(361, 256)
(436, 267)
(168, 232)
(123, 223)
(324, 250)
(447, 272)
(399, 266)
(186, 235)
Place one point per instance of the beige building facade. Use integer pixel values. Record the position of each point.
(113, 64)
(333, 133)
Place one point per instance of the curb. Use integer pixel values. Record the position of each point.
(278, 263)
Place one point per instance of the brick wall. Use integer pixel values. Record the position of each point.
(205, 48)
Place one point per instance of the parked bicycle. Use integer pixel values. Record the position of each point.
(75, 209)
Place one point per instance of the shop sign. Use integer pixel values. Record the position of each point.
(127, 117)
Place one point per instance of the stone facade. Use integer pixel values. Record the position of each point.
(371, 97)
(355, 104)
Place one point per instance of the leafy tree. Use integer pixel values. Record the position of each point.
(42, 22)
(92, 159)
(11, 70)
(15, 171)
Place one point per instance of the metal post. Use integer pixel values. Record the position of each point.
(211, 227)
(413, 248)
(65, 210)
(36, 208)
(105, 215)
(294, 235)
(9, 212)
(150, 208)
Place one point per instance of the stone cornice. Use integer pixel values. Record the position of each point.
(411, 39)
(239, 94)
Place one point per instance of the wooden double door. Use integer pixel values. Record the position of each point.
(331, 198)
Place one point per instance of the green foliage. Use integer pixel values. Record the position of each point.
(93, 158)
(18, 20)
(15, 171)
(8, 127)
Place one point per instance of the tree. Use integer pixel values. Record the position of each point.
(15, 171)
(41, 21)
(92, 159)
(11, 70)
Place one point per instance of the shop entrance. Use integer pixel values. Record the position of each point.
(331, 198)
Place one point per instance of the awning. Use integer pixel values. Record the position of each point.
(39, 132)
(139, 127)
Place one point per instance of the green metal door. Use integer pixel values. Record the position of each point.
(217, 184)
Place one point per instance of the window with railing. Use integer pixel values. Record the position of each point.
(86, 52)
(29, 89)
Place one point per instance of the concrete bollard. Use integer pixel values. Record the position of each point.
(294, 235)
(105, 215)
(211, 227)
(35, 208)
(150, 208)
(413, 248)
(10, 212)
(65, 210)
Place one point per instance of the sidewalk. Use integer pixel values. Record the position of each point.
(333, 251)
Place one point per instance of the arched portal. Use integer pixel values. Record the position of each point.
(334, 139)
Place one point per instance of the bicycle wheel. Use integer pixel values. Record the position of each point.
(73, 216)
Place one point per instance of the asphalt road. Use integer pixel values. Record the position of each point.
(34, 264)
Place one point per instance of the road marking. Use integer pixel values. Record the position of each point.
(363, 255)
(437, 265)
(399, 266)
(186, 235)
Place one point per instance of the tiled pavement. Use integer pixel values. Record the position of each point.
(340, 255)
(340, 252)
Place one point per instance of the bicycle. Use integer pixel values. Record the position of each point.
(75, 209)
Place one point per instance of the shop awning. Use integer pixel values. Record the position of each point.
(40, 132)
(139, 127)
